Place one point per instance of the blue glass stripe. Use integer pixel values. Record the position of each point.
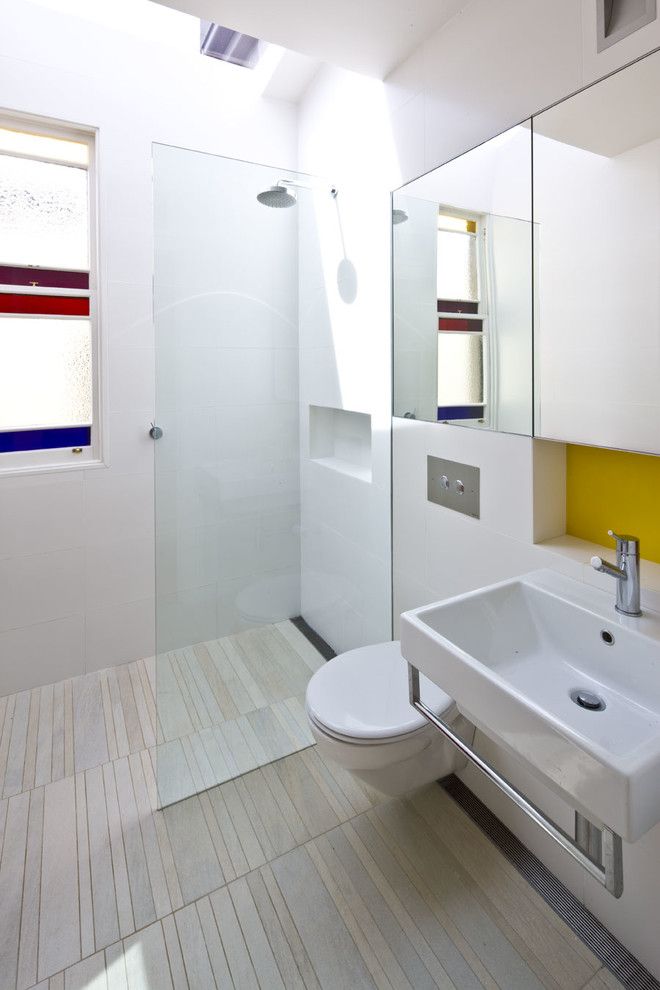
(71, 436)
(460, 412)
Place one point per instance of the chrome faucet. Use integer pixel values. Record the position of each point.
(626, 572)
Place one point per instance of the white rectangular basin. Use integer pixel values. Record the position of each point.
(512, 656)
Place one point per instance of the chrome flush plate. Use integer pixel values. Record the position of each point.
(454, 485)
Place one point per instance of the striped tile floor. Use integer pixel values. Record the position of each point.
(207, 713)
(291, 875)
(395, 897)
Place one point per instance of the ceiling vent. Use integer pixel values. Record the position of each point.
(616, 19)
(229, 46)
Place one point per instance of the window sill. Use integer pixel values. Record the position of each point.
(52, 468)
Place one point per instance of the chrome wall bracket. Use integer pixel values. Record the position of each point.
(607, 868)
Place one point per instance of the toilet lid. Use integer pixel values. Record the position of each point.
(363, 694)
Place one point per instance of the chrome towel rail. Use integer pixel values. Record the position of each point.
(609, 872)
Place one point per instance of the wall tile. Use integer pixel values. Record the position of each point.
(119, 634)
(131, 377)
(39, 513)
(131, 449)
(40, 587)
(41, 653)
(118, 572)
(118, 506)
(127, 314)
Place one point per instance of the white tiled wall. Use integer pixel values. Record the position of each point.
(77, 549)
(490, 67)
(345, 363)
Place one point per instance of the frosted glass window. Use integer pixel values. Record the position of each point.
(460, 369)
(43, 146)
(44, 214)
(457, 265)
(45, 372)
(449, 221)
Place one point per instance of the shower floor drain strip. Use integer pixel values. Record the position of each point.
(313, 637)
(605, 946)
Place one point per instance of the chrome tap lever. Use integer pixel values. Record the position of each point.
(625, 572)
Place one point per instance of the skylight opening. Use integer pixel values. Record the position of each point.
(230, 46)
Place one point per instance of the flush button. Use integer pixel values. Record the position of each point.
(453, 485)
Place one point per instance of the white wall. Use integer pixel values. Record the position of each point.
(490, 67)
(345, 359)
(77, 548)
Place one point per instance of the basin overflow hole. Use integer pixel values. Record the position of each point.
(607, 637)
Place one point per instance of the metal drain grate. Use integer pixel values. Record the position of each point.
(317, 641)
(613, 955)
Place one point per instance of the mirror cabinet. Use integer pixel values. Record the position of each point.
(526, 275)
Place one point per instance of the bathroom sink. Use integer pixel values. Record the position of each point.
(515, 656)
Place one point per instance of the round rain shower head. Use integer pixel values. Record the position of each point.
(399, 216)
(278, 197)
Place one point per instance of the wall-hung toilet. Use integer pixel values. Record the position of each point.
(359, 713)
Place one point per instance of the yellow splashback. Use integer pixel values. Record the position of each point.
(613, 489)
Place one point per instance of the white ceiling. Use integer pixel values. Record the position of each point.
(368, 36)
(616, 114)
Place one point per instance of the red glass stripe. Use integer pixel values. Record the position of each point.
(457, 306)
(12, 302)
(50, 278)
(446, 325)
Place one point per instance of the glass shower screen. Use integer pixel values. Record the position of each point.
(232, 667)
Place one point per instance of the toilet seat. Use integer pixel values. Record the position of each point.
(362, 697)
(365, 740)
(360, 718)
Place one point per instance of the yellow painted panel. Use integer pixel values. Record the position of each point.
(613, 489)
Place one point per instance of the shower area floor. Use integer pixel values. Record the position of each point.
(225, 707)
(230, 705)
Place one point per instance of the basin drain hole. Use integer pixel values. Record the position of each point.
(586, 699)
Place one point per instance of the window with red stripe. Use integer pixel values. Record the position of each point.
(46, 329)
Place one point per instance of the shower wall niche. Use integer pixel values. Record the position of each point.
(341, 440)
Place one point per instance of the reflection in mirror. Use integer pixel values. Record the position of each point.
(462, 282)
(597, 221)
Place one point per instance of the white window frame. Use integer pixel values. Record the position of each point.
(65, 458)
(482, 314)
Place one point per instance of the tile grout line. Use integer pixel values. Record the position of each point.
(89, 850)
(159, 921)
(242, 930)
